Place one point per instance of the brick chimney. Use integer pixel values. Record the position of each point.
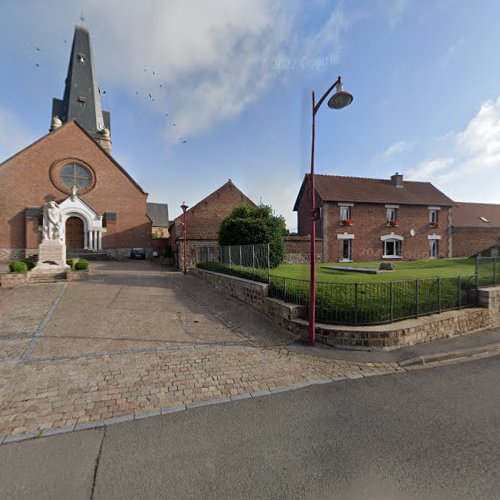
(397, 180)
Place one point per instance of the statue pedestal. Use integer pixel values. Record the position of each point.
(51, 256)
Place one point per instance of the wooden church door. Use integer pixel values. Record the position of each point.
(74, 233)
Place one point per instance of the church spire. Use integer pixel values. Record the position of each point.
(82, 100)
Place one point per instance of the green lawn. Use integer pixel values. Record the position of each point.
(405, 270)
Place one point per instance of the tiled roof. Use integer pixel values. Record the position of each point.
(158, 213)
(204, 218)
(485, 215)
(361, 189)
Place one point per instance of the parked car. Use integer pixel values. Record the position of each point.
(137, 253)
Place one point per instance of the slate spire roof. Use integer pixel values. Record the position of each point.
(81, 100)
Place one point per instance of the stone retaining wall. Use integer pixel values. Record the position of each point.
(253, 293)
(9, 280)
(379, 337)
(401, 333)
(489, 298)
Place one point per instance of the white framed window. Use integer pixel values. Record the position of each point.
(346, 250)
(392, 215)
(392, 249)
(433, 217)
(433, 249)
(345, 214)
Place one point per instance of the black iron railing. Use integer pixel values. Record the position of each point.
(378, 303)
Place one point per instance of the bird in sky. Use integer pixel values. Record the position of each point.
(38, 49)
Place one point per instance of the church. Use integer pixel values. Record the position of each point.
(104, 211)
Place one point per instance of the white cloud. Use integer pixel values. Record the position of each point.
(471, 168)
(13, 135)
(396, 10)
(397, 148)
(429, 169)
(329, 37)
(450, 53)
(212, 58)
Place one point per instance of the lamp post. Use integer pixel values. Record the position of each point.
(340, 99)
(184, 208)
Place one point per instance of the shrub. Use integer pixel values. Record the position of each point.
(18, 266)
(82, 265)
(30, 263)
(249, 225)
(167, 252)
(72, 262)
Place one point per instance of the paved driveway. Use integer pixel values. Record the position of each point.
(134, 339)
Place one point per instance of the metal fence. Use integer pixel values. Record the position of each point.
(378, 303)
(356, 303)
(247, 261)
(488, 271)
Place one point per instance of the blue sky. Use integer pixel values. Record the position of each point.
(236, 80)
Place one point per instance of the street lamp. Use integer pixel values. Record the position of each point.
(184, 208)
(340, 99)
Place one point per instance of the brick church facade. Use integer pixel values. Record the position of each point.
(104, 209)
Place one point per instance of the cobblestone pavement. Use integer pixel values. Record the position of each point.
(132, 343)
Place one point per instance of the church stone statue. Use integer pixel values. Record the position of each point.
(52, 249)
(52, 222)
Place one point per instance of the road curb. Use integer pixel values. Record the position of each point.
(450, 355)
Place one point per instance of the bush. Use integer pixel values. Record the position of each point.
(30, 263)
(18, 266)
(167, 252)
(82, 265)
(72, 262)
(249, 225)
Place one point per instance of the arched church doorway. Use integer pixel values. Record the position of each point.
(74, 233)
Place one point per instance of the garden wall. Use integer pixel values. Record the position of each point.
(253, 293)
(380, 337)
(298, 249)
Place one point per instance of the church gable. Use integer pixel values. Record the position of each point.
(68, 144)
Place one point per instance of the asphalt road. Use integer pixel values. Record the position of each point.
(432, 433)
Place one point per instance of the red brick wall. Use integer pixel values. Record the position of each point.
(369, 224)
(25, 182)
(304, 215)
(470, 241)
(204, 219)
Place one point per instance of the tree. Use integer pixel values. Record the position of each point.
(250, 225)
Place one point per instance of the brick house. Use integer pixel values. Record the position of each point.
(475, 229)
(203, 221)
(376, 219)
(103, 208)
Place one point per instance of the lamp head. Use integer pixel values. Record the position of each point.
(340, 99)
(184, 206)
